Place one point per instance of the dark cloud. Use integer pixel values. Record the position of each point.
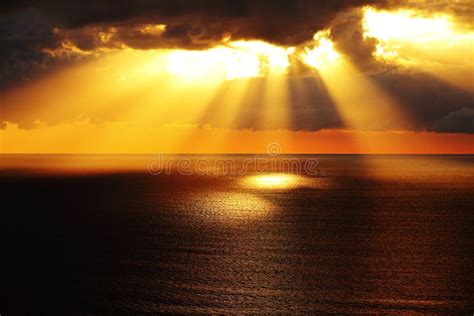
(27, 28)
(347, 34)
(424, 98)
(277, 21)
(22, 35)
(461, 121)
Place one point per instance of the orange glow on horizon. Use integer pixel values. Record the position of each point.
(126, 139)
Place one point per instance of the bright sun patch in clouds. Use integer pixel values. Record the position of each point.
(322, 54)
(434, 43)
(272, 58)
(405, 25)
(240, 59)
(409, 35)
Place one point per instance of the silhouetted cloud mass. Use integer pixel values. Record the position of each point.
(27, 28)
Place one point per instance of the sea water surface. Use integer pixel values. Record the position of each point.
(99, 234)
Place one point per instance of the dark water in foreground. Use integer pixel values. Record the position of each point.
(377, 234)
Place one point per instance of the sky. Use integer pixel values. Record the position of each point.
(214, 76)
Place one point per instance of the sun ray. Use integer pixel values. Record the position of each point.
(360, 103)
(236, 66)
(71, 93)
(275, 112)
(220, 111)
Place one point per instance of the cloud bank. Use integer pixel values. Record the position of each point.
(31, 32)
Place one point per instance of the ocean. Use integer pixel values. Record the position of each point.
(353, 234)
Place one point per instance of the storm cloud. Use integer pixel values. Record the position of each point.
(277, 21)
(27, 28)
(30, 31)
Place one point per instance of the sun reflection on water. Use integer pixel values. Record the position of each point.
(235, 206)
(276, 181)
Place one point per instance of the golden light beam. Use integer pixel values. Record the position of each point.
(275, 103)
(276, 95)
(83, 89)
(147, 87)
(220, 111)
(360, 103)
(126, 87)
(234, 66)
